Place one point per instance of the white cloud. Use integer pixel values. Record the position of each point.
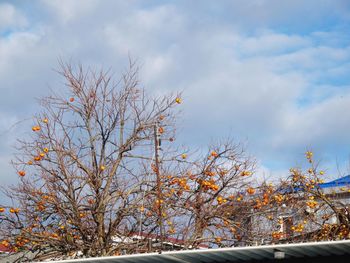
(271, 44)
(14, 47)
(140, 31)
(305, 15)
(10, 17)
(313, 58)
(324, 122)
(67, 10)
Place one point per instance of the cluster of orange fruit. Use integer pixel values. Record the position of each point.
(82, 214)
(45, 234)
(239, 198)
(340, 231)
(181, 182)
(262, 202)
(208, 185)
(5, 243)
(209, 173)
(20, 241)
(158, 202)
(296, 174)
(36, 158)
(40, 206)
(246, 173)
(344, 232)
(311, 203)
(298, 228)
(251, 190)
(213, 154)
(277, 235)
(48, 197)
(279, 198)
(39, 157)
(221, 200)
(309, 155)
(36, 128)
(14, 210)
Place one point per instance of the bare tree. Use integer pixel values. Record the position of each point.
(80, 175)
(100, 168)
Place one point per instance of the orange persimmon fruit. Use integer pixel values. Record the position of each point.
(21, 173)
(36, 128)
(214, 153)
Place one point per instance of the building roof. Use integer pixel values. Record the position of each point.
(234, 254)
(4, 248)
(340, 182)
(343, 181)
(156, 238)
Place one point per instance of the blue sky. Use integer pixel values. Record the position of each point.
(273, 74)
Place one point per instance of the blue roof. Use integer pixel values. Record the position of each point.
(343, 181)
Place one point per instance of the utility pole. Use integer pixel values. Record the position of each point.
(159, 187)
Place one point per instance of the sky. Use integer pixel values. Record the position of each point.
(272, 74)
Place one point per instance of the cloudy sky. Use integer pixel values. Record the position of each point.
(271, 73)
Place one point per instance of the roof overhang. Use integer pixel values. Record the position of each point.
(234, 254)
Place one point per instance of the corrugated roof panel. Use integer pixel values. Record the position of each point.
(250, 255)
(176, 259)
(233, 254)
(319, 252)
(193, 258)
(262, 253)
(213, 257)
(339, 249)
(300, 252)
(223, 256)
(230, 256)
(205, 258)
(292, 252)
(146, 260)
(343, 181)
